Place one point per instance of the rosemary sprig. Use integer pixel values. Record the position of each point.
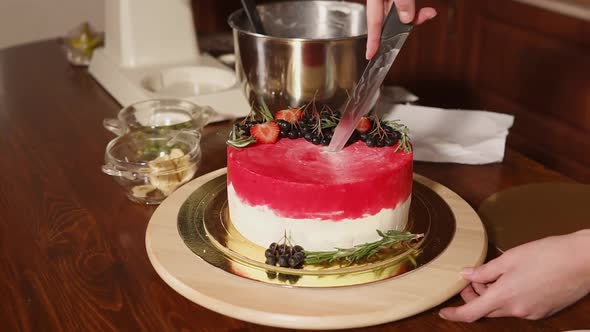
(265, 112)
(238, 139)
(241, 142)
(361, 252)
(329, 121)
(405, 135)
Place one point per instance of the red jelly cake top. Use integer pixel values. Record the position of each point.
(298, 161)
(300, 180)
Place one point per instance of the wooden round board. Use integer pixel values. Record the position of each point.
(313, 308)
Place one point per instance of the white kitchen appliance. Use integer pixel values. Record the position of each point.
(151, 51)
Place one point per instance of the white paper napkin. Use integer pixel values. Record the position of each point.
(457, 136)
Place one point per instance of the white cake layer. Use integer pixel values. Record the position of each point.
(262, 226)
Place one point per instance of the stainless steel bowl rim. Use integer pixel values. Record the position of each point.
(239, 12)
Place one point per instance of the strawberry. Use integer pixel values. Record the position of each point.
(265, 133)
(364, 125)
(290, 115)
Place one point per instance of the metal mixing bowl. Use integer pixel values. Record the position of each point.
(310, 48)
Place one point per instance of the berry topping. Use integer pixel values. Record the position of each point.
(283, 124)
(285, 255)
(290, 115)
(316, 126)
(390, 141)
(272, 260)
(364, 125)
(265, 133)
(284, 261)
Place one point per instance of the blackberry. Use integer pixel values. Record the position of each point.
(316, 140)
(284, 255)
(390, 141)
(283, 249)
(272, 260)
(363, 137)
(371, 141)
(242, 128)
(293, 134)
(293, 262)
(283, 261)
(325, 141)
(299, 255)
(353, 138)
(296, 262)
(308, 136)
(284, 133)
(283, 124)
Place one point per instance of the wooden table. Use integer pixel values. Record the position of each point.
(72, 246)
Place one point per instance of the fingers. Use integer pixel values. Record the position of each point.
(486, 273)
(501, 312)
(425, 14)
(387, 7)
(468, 294)
(473, 310)
(378, 9)
(480, 301)
(406, 10)
(374, 24)
(479, 288)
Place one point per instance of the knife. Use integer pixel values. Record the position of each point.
(365, 93)
(253, 17)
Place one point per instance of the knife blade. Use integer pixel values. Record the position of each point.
(365, 93)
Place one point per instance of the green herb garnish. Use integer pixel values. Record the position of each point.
(241, 142)
(404, 132)
(361, 252)
(265, 112)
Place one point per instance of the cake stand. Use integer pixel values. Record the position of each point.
(191, 260)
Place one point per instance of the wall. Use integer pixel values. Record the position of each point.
(23, 21)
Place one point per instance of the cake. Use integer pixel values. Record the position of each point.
(321, 200)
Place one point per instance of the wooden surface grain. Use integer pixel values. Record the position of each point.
(72, 246)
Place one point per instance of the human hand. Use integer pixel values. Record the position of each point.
(378, 9)
(531, 281)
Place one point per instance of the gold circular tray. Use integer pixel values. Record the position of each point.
(205, 227)
(533, 211)
(289, 306)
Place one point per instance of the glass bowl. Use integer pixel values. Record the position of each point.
(149, 166)
(160, 115)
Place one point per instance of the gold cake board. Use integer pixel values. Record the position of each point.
(313, 308)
